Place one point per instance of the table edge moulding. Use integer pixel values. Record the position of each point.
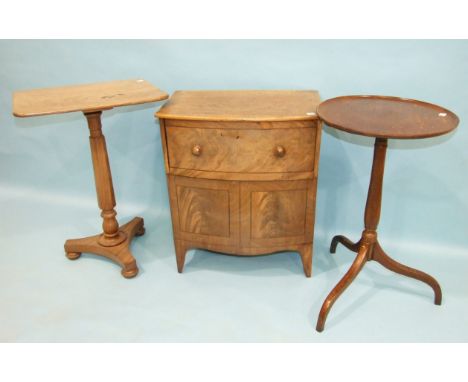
(380, 117)
(92, 100)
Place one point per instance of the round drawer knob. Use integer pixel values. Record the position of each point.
(280, 151)
(196, 150)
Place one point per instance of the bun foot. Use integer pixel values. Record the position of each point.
(73, 255)
(129, 273)
(120, 253)
(141, 231)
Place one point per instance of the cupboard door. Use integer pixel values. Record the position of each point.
(206, 211)
(277, 213)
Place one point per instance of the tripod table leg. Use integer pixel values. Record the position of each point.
(381, 257)
(347, 279)
(345, 241)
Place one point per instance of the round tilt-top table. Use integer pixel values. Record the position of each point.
(382, 118)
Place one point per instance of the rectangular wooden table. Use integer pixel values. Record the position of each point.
(92, 99)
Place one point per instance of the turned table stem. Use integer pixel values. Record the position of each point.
(368, 247)
(114, 242)
(103, 179)
(374, 195)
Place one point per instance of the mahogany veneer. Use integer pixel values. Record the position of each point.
(242, 171)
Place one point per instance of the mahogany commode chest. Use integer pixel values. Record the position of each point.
(92, 100)
(242, 171)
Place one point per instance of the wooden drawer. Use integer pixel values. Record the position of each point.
(242, 150)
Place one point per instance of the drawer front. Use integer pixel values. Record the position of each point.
(242, 150)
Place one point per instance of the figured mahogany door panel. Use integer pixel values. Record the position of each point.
(206, 211)
(242, 150)
(277, 213)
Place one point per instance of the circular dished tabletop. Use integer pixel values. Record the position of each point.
(386, 117)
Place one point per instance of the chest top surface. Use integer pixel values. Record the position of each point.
(387, 117)
(90, 97)
(242, 105)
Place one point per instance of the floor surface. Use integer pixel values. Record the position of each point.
(47, 298)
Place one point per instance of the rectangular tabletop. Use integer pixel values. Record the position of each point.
(90, 97)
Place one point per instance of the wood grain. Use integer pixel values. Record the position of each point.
(380, 117)
(277, 213)
(204, 210)
(242, 171)
(241, 151)
(119, 253)
(242, 105)
(248, 125)
(114, 241)
(103, 180)
(387, 117)
(304, 250)
(91, 97)
(258, 176)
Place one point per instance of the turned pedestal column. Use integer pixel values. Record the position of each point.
(114, 242)
(92, 99)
